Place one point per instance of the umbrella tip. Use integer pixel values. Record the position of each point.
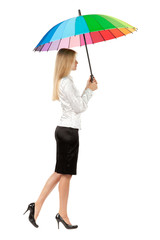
(79, 12)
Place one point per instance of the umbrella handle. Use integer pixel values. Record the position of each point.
(92, 77)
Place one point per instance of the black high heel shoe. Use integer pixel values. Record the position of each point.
(31, 207)
(60, 219)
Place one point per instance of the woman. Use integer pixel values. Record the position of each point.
(66, 134)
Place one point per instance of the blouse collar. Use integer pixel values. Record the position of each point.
(70, 77)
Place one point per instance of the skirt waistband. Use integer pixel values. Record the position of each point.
(68, 127)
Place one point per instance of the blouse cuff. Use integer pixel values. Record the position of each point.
(90, 92)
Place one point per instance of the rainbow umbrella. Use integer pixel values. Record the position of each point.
(83, 30)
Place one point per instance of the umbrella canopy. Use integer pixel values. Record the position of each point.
(83, 30)
(96, 28)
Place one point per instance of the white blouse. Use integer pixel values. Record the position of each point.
(72, 103)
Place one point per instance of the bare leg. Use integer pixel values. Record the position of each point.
(63, 196)
(50, 184)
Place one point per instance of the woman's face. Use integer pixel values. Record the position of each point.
(74, 65)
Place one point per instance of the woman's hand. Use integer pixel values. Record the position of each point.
(92, 85)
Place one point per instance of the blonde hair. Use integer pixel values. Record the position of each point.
(63, 64)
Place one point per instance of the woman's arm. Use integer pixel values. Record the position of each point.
(79, 103)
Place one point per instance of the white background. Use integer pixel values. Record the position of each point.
(115, 194)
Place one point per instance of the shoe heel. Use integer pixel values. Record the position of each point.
(26, 210)
(58, 224)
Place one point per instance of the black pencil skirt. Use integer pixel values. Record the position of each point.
(67, 140)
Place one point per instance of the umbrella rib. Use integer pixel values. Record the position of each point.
(129, 30)
(112, 33)
(102, 36)
(91, 37)
(80, 40)
(41, 48)
(59, 44)
(100, 30)
(98, 23)
(110, 22)
(108, 29)
(119, 29)
(121, 32)
(89, 31)
(49, 47)
(69, 42)
(115, 27)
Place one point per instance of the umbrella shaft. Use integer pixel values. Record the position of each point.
(88, 58)
(79, 11)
